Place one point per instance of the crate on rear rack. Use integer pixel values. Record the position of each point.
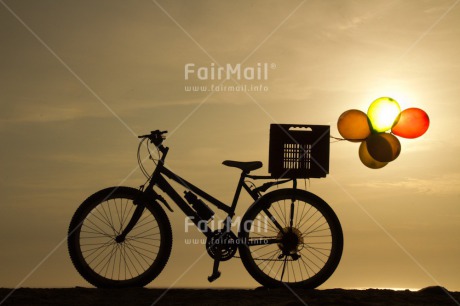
(299, 151)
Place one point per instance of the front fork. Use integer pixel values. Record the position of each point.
(134, 219)
(140, 207)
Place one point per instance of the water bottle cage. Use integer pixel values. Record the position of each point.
(199, 206)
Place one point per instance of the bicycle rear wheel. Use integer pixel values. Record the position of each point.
(107, 262)
(290, 237)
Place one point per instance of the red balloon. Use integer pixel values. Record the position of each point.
(412, 123)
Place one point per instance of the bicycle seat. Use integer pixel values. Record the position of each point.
(245, 166)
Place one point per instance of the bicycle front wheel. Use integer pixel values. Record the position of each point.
(105, 260)
(290, 237)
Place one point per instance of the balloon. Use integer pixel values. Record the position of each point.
(383, 147)
(383, 114)
(353, 125)
(413, 123)
(367, 159)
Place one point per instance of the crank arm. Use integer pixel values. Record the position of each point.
(215, 271)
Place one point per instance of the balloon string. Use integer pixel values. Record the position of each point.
(337, 139)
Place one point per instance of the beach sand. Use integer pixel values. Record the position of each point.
(261, 296)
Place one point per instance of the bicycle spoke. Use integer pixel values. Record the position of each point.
(96, 236)
(118, 217)
(261, 247)
(111, 218)
(141, 234)
(109, 256)
(95, 225)
(297, 213)
(309, 230)
(134, 256)
(145, 216)
(307, 220)
(128, 214)
(278, 271)
(300, 269)
(126, 266)
(135, 251)
(284, 268)
(143, 242)
(262, 241)
(115, 260)
(269, 260)
(99, 246)
(315, 222)
(298, 225)
(279, 215)
(106, 216)
(141, 248)
(273, 219)
(265, 228)
(283, 211)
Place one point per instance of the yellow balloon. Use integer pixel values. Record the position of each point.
(367, 159)
(383, 147)
(383, 114)
(353, 125)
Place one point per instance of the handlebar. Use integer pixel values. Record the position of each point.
(156, 137)
(155, 133)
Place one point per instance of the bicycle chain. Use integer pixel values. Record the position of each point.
(267, 259)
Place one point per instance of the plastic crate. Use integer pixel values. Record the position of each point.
(299, 151)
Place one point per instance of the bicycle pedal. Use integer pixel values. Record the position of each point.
(295, 256)
(214, 276)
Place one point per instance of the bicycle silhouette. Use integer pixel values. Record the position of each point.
(122, 237)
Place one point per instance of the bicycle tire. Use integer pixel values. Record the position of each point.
(101, 260)
(315, 236)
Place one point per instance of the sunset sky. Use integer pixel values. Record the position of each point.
(80, 79)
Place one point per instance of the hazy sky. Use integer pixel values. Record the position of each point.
(79, 79)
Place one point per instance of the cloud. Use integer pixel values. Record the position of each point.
(448, 185)
(42, 113)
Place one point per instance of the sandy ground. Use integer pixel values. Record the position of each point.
(261, 296)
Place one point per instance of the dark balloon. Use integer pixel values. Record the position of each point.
(383, 147)
(412, 123)
(367, 159)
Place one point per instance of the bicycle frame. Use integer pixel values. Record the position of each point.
(158, 179)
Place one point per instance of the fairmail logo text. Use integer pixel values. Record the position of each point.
(227, 72)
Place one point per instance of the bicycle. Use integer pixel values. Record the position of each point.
(122, 237)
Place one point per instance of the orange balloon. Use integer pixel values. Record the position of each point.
(412, 123)
(353, 125)
(367, 159)
(383, 147)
